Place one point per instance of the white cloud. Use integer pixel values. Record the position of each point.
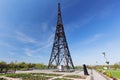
(44, 27)
(11, 53)
(5, 44)
(24, 38)
(29, 52)
(77, 24)
(39, 45)
(93, 39)
(45, 45)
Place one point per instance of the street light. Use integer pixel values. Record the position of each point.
(107, 62)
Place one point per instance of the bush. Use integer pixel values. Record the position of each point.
(109, 74)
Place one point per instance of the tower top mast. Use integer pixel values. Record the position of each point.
(59, 20)
(58, 1)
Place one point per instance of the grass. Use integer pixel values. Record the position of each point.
(2, 74)
(31, 76)
(28, 76)
(75, 76)
(41, 76)
(115, 73)
(62, 79)
(45, 74)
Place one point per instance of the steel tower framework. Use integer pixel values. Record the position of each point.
(60, 54)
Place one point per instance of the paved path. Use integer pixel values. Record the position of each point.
(96, 76)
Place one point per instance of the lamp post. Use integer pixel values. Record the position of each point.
(107, 62)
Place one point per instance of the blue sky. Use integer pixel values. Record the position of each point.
(92, 26)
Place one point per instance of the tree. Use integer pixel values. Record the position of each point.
(30, 66)
(2, 66)
(116, 66)
(22, 65)
(40, 66)
(11, 65)
(78, 67)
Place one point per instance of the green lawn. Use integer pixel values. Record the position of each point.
(28, 76)
(115, 73)
(31, 76)
(61, 79)
(46, 74)
(75, 76)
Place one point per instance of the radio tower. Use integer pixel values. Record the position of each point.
(60, 54)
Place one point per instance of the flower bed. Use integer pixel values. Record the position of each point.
(115, 73)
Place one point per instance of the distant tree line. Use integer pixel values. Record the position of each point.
(114, 66)
(12, 66)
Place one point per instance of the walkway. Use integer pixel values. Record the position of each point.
(96, 76)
